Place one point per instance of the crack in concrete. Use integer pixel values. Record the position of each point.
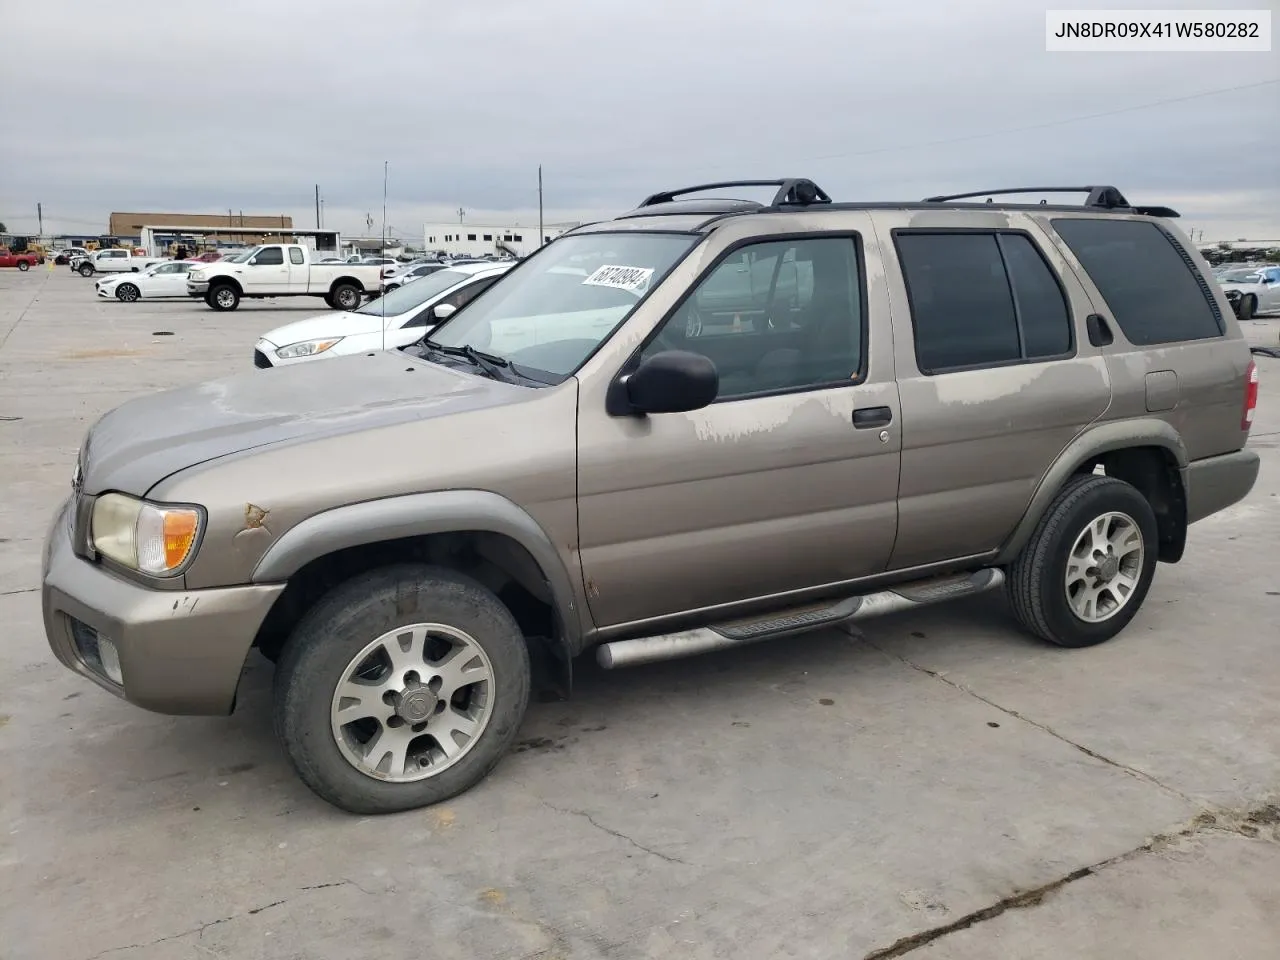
(14, 593)
(1246, 824)
(614, 833)
(1008, 711)
(199, 931)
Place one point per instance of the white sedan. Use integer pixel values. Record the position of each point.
(1252, 290)
(158, 282)
(399, 318)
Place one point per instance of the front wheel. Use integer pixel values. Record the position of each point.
(401, 688)
(86, 269)
(24, 266)
(127, 292)
(1247, 306)
(223, 297)
(1089, 564)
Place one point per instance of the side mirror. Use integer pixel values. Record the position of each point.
(674, 381)
(443, 311)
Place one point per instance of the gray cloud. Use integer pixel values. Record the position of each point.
(159, 105)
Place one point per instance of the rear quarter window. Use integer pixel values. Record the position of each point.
(1147, 279)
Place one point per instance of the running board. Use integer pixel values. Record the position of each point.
(688, 643)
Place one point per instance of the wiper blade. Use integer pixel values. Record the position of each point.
(488, 362)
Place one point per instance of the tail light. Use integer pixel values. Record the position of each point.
(1250, 395)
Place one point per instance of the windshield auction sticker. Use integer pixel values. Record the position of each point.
(634, 279)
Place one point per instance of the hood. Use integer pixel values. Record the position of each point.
(138, 444)
(1239, 285)
(334, 324)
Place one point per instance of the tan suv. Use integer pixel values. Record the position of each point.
(705, 423)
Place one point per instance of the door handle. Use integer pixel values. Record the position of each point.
(1099, 332)
(865, 418)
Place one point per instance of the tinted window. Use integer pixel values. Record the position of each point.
(783, 315)
(1149, 284)
(1042, 311)
(295, 255)
(269, 256)
(961, 305)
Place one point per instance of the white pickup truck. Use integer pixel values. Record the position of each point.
(282, 270)
(112, 261)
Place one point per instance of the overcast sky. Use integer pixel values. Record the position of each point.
(245, 104)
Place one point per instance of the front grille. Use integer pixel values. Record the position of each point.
(260, 360)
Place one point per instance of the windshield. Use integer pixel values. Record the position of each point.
(403, 299)
(238, 257)
(556, 308)
(1240, 276)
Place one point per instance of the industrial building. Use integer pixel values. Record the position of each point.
(460, 239)
(127, 227)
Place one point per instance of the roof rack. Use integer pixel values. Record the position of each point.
(1100, 197)
(797, 191)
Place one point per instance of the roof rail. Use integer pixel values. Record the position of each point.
(1100, 197)
(796, 190)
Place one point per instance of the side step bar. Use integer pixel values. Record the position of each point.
(688, 643)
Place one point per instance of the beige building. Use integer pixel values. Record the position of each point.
(131, 224)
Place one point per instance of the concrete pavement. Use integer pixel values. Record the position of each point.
(939, 785)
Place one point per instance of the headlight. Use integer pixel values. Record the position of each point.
(147, 537)
(306, 348)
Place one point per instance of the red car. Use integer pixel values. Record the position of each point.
(209, 257)
(23, 261)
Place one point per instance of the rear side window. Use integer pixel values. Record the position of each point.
(981, 299)
(1148, 281)
(295, 255)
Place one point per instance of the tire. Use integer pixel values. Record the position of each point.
(1038, 586)
(330, 642)
(1247, 307)
(86, 269)
(345, 296)
(128, 292)
(223, 297)
(23, 266)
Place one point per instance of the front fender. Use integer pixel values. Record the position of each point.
(422, 514)
(1100, 439)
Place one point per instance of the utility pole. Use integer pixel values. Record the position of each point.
(541, 235)
(317, 206)
(460, 213)
(385, 167)
(40, 218)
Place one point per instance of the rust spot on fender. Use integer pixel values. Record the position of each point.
(255, 518)
(592, 590)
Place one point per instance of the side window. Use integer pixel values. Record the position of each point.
(961, 305)
(782, 315)
(981, 299)
(469, 293)
(269, 257)
(1043, 316)
(295, 256)
(1149, 283)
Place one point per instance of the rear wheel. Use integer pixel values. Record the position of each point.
(1089, 564)
(345, 296)
(223, 297)
(127, 292)
(401, 688)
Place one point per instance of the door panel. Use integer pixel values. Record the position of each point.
(756, 495)
(978, 441)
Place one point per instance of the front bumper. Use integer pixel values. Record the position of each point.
(1215, 483)
(197, 289)
(180, 651)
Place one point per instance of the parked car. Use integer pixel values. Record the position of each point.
(23, 261)
(281, 270)
(113, 260)
(159, 281)
(209, 256)
(413, 272)
(394, 320)
(1252, 290)
(64, 257)
(954, 397)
